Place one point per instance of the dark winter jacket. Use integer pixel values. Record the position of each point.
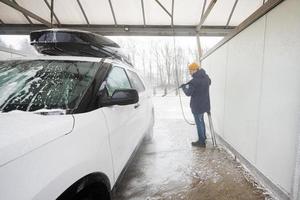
(198, 89)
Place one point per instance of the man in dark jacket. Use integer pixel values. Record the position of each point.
(198, 90)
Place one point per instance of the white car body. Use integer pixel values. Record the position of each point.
(41, 156)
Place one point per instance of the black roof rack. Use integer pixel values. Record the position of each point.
(66, 42)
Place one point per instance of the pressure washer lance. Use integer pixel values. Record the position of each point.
(212, 130)
(211, 126)
(173, 90)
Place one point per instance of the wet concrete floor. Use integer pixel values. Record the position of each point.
(170, 168)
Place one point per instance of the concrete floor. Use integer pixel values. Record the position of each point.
(170, 168)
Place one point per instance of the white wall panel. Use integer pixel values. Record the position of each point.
(243, 83)
(280, 103)
(217, 72)
(261, 93)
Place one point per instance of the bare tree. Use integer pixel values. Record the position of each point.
(179, 60)
(131, 48)
(163, 64)
(194, 54)
(159, 66)
(142, 55)
(151, 76)
(166, 52)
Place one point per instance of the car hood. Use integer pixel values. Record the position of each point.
(22, 132)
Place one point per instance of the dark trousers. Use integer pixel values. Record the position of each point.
(199, 120)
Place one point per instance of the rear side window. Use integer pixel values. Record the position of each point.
(117, 79)
(136, 82)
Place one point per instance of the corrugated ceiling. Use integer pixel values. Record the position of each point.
(129, 12)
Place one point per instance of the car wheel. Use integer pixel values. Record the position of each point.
(93, 193)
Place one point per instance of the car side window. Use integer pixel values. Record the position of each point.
(117, 79)
(136, 82)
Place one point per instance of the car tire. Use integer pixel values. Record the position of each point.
(93, 193)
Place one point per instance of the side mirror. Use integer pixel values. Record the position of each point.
(121, 97)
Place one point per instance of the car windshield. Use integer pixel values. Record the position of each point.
(31, 85)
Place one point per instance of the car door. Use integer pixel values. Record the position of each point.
(120, 120)
(143, 114)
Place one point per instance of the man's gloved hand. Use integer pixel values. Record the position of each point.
(182, 85)
(185, 85)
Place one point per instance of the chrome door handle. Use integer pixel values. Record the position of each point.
(136, 106)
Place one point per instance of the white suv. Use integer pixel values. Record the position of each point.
(69, 126)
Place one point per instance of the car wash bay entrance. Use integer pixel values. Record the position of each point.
(255, 94)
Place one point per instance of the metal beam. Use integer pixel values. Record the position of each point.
(199, 48)
(56, 18)
(124, 30)
(163, 8)
(26, 12)
(143, 10)
(264, 9)
(198, 36)
(83, 12)
(172, 18)
(51, 12)
(206, 13)
(28, 19)
(203, 9)
(113, 12)
(231, 13)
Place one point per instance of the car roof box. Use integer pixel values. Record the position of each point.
(68, 42)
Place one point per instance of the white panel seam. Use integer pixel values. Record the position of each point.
(260, 90)
(225, 89)
(296, 174)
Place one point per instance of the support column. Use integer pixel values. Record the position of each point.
(199, 48)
